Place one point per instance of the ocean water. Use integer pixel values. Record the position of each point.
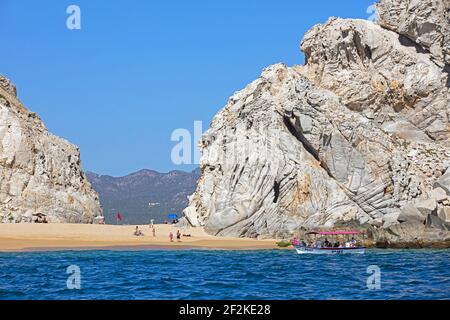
(216, 274)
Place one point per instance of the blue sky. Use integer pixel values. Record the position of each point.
(137, 70)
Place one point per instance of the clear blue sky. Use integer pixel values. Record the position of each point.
(137, 70)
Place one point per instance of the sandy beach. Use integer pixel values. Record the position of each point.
(38, 237)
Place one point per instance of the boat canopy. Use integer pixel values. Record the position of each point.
(340, 232)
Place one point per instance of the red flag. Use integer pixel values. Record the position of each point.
(119, 216)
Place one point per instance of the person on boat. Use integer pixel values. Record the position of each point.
(295, 241)
(353, 242)
(337, 244)
(304, 243)
(318, 243)
(326, 244)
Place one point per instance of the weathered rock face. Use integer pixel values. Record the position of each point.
(359, 135)
(260, 174)
(426, 22)
(39, 172)
(379, 76)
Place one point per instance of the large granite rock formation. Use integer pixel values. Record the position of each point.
(39, 172)
(426, 22)
(357, 136)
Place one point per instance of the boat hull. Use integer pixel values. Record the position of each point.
(310, 250)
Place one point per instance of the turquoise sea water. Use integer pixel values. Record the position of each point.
(210, 274)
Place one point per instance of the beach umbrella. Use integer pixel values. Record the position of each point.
(172, 216)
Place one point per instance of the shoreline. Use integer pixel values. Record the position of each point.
(137, 248)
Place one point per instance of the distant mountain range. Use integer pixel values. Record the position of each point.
(144, 195)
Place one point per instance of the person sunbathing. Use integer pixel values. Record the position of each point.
(138, 232)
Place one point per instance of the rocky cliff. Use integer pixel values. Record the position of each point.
(357, 136)
(39, 172)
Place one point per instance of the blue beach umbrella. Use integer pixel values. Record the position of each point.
(172, 216)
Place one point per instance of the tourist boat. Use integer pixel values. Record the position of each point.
(347, 248)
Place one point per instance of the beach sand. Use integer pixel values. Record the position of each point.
(39, 237)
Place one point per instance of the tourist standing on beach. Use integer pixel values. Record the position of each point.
(154, 232)
(178, 236)
(171, 236)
